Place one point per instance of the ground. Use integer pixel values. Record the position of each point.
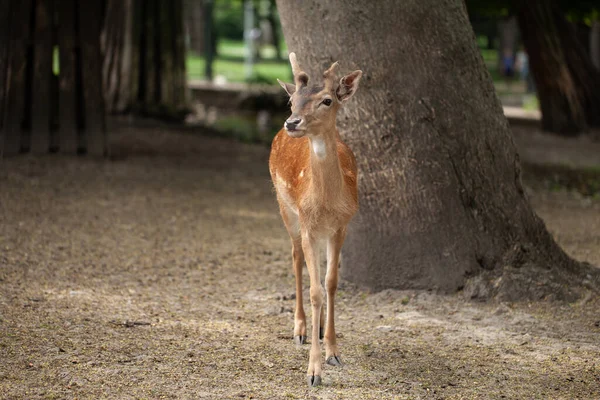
(166, 273)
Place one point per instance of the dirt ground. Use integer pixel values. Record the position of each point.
(166, 273)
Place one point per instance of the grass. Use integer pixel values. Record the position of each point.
(585, 180)
(531, 103)
(235, 71)
(231, 56)
(230, 64)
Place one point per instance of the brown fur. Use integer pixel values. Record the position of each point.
(315, 177)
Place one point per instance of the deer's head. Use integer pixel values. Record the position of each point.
(315, 106)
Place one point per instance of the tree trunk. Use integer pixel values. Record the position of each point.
(5, 15)
(567, 83)
(117, 64)
(441, 200)
(194, 26)
(271, 18)
(144, 60)
(508, 30)
(595, 44)
(210, 44)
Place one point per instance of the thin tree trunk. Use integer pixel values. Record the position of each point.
(595, 44)
(210, 43)
(67, 87)
(42, 77)
(5, 14)
(17, 110)
(441, 200)
(194, 25)
(90, 30)
(508, 30)
(567, 83)
(274, 28)
(117, 64)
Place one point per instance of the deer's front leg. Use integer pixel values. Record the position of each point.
(311, 253)
(299, 316)
(334, 246)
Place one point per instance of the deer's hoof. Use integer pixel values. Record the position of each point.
(335, 361)
(313, 380)
(300, 340)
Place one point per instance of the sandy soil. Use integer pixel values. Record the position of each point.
(166, 273)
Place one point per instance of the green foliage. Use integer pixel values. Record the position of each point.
(490, 8)
(229, 19)
(576, 10)
(234, 71)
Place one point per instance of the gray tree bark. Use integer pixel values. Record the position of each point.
(441, 200)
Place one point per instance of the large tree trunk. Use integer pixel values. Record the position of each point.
(567, 83)
(441, 200)
(144, 64)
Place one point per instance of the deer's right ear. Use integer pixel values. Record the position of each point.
(288, 87)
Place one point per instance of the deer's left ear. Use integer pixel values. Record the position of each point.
(288, 87)
(348, 86)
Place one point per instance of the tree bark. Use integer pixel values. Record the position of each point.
(117, 64)
(68, 101)
(17, 110)
(42, 77)
(194, 25)
(5, 15)
(595, 44)
(90, 29)
(442, 205)
(567, 83)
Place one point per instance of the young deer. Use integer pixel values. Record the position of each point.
(314, 174)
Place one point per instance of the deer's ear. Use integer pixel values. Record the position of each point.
(348, 86)
(288, 87)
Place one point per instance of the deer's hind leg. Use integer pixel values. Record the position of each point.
(290, 219)
(334, 246)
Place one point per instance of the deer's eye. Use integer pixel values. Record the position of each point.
(327, 102)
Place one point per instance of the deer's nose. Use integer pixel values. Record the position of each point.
(292, 123)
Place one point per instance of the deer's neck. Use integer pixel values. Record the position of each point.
(326, 173)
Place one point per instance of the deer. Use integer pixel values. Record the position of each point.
(315, 178)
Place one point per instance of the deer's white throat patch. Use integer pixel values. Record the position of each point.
(319, 148)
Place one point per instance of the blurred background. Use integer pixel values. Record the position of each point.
(215, 63)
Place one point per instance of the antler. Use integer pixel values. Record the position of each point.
(330, 76)
(300, 77)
